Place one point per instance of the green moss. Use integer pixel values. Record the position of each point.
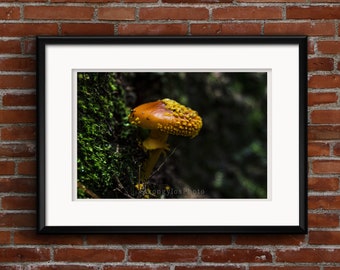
(109, 156)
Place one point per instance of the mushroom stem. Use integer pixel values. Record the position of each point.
(150, 164)
(155, 144)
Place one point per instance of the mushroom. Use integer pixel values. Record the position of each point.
(163, 117)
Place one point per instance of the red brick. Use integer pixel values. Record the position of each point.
(17, 81)
(5, 237)
(152, 29)
(17, 64)
(23, 1)
(122, 239)
(17, 116)
(284, 268)
(194, 239)
(329, 47)
(18, 203)
(336, 149)
(13, 133)
(19, 100)
(27, 168)
(58, 266)
(324, 237)
(139, 1)
(17, 150)
(325, 117)
(226, 28)
(58, 12)
(323, 184)
(310, 255)
(311, 47)
(318, 149)
(229, 267)
(7, 167)
(87, 29)
(88, 255)
(314, 12)
(9, 13)
(30, 237)
(197, 1)
(247, 13)
(10, 267)
(320, 64)
(17, 220)
(300, 28)
(117, 13)
(323, 220)
(272, 1)
(85, 1)
(27, 29)
(29, 46)
(324, 202)
(153, 267)
(163, 255)
(322, 98)
(24, 254)
(173, 13)
(326, 166)
(324, 81)
(18, 185)
(224, 255)
(261, 240)
(10, 46)
(324, 132)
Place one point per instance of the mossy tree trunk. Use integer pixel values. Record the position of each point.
(108, 154)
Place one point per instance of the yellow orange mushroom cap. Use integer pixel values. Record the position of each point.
(167, 116)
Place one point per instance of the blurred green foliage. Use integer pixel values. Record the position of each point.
(228, 158)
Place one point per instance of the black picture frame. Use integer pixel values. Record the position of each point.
(51, 168)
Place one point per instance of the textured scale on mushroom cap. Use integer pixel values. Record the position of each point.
(167, 116)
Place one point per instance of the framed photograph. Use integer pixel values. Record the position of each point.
(172, 134)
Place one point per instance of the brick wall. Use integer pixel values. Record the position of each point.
(22, 248)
